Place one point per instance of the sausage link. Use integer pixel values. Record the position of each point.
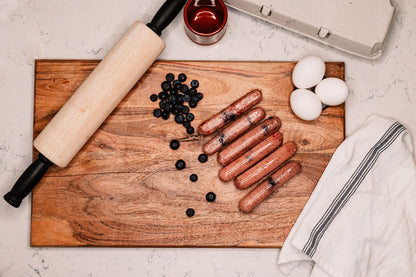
(237, 108)
(248, 140)
(234, 130)
(265, 166)
(266, 188)
(251, 157)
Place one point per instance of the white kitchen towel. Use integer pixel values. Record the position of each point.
(361, 218)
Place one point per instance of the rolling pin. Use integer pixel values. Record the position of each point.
(96, 98)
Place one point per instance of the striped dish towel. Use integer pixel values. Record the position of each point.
(361, 218)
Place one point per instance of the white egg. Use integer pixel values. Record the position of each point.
(332, 91)
(308, 72)
(305, 104)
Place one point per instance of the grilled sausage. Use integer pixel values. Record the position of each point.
(237, 108)
(265, 166)
(234, 130)
(251, 157)
(266, 188)
(248, 140)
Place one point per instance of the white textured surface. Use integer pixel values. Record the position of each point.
(88, 29)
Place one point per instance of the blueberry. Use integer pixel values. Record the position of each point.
(175, 111)
(186, 124)
(162, 104)
(179, 118)
(173, 91)
(170, 77)
(178, 86)
(192, 91)
(200, 95)
(194, 84)
(163, 95)
(169, 107)
(190, 130)
(165, 115)
(193, 104)
(166, 85)
(210, 197)
(171, 97)
(174, 144)
(180, 164)
(190, 117)
(190, 212)
(194, 98)
(179, 99)
(185, 109)
(184, 88)
(176, 82)
(153, 97)
(193, 177)
(157, 112)
(182, 77)
(186, 98)
(203, 158)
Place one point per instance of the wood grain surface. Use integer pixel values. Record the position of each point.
(122, 189)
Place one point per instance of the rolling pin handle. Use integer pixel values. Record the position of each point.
(165, 15)
(29, 179)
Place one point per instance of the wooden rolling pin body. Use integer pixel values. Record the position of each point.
(99, 94)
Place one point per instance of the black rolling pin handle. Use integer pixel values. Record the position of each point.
(29, 179)
(165, 15)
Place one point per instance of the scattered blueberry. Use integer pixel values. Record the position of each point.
(180, 164)
(210, 197)
(199, 95)
(202, 158)
(174, 144)
(193, 177)
(190, 212)
(186, 124)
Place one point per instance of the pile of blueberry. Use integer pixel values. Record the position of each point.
(177, 98)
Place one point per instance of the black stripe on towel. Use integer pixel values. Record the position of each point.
(350, 187)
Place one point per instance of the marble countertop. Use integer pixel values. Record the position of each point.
(78, 29)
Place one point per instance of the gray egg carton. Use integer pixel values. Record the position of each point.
(359, 27)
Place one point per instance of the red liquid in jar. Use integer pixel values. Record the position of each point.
(205, 18)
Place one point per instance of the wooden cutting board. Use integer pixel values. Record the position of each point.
(122, 189)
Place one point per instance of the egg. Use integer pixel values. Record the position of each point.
(305, 104)
(332, 91)
(308, 72)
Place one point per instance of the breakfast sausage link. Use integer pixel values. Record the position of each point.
(265, 166)
(251, 157)
(266, 188)
(237, 108)
(248, 140)
(233, 131)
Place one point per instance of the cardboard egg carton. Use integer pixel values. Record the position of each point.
(359, 27)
